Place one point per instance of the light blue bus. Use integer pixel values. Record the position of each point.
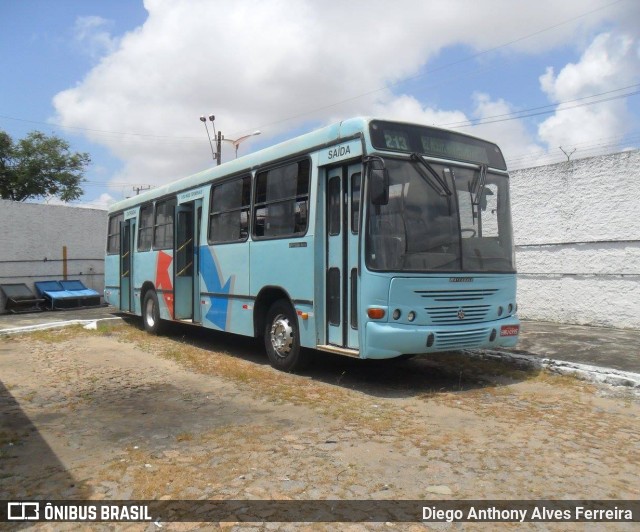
(367, 238)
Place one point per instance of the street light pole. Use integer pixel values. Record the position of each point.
(203, 119)
(219, 137)
(237, 142)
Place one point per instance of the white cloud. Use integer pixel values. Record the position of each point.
(511, 135)
(406, 108)
(257, 64)
(92, 34)
(102, 202)
(610, 62)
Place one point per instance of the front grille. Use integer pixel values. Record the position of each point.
(449, 315)
(462, 339)
(457, 295)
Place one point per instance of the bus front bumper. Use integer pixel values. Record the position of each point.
(389, 340)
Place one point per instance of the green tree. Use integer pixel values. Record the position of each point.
(40, 166)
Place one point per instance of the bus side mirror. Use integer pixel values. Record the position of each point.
(379, 186)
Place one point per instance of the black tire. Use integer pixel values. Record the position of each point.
(282, 338)
(151, 313)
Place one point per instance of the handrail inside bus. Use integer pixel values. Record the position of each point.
(184, 245)
(184, 269)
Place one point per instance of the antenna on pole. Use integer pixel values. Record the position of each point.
(567, 154)
(203, 119)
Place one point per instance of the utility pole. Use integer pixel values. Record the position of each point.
(141, 187)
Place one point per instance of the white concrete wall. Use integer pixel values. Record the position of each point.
(32, 237)
(577, 234)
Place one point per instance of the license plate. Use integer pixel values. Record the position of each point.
(509, 330)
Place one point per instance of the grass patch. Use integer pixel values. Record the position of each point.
(55, 336)
(184, 436)
(7, 437)
(29, 396)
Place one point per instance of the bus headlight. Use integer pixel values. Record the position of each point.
(411, 316)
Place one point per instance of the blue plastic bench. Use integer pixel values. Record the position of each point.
(67, 294)
(55, 295)
(90, 298)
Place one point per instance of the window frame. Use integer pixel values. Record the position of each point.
(306, 198)
(116, 234)
(156, 225)
(334, 205)
(356, 201)
(141, 228)
(244, 207)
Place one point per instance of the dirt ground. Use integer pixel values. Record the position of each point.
(118, 414)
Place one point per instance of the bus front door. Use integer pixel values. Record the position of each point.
(127, 232)
(343, 222)
(186, 282)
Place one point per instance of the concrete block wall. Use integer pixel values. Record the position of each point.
(577, 234)
(32, 237)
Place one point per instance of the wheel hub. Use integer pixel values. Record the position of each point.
(281, 336)
(149, 314)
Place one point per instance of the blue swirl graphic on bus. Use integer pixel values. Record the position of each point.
(213, 280)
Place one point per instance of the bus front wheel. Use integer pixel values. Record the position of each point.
(151, 313)
(282, 338)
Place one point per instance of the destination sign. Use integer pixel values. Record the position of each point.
(435, 142)
(190, 195)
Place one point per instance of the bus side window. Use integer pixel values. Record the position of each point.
(229, 218)
(355, 202)
(145, 230)
(282, 201)
(113, 237)
(163, 224)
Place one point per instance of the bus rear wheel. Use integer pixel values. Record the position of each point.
(282, 338)
(151, 313)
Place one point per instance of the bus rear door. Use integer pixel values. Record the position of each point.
(186, 282)
(127, 233)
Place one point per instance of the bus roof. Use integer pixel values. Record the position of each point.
(315, 139)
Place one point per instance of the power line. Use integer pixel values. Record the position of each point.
(442, 67)
(328, 106)
(551, 108)
(489, 120)
(102, 131)
(515, 115)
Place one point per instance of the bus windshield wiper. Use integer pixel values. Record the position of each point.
(432, 175)
(478, 185)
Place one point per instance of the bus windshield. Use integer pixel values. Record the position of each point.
(427, 227)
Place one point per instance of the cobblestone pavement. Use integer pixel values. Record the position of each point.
(117, 414)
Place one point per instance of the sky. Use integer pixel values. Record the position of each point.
(126, 81)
